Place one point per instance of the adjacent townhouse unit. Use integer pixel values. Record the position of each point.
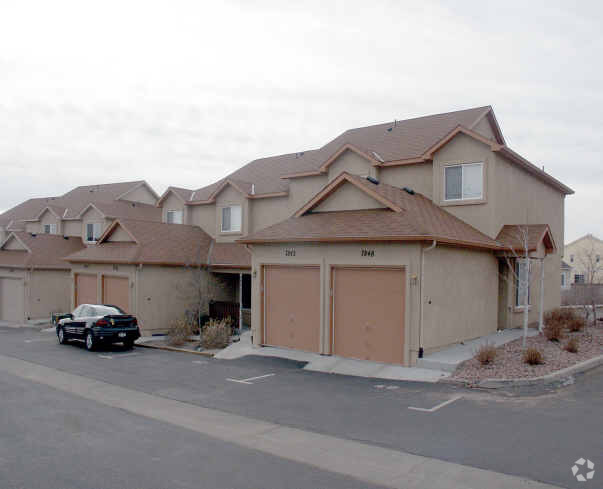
(584, 256)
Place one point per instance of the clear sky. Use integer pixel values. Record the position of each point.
(182, 93)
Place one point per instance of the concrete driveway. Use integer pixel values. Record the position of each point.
(532, 434)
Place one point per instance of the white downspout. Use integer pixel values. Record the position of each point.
(240, 302)
(422, 287)
(541, 312)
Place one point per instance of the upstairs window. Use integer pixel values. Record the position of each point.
(93, 232)
(563, 280)
(231, 219)
(571, 258)
(50, 229)
(579, 278)
(174, 217)
(464, 182)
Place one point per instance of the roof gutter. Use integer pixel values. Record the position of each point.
(422, 291)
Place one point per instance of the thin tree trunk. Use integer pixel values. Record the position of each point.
(541, 312)
(526, 300)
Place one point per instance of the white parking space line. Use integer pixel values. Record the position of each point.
(200, 362)
(39, 339)
(110, 357)
(435, 408)
(248, 381)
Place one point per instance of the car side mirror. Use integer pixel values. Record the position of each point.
(69, 316)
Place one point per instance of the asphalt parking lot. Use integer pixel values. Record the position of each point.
(532, 433)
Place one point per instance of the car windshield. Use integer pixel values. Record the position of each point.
(106, 311)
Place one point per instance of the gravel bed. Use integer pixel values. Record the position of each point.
(509, 364)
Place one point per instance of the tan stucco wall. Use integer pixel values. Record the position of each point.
(90, 216)
(48, 292)
(13, 244)
(461, 296)
(484, 128)
(141, 194)
(172, 203)
(49, 218)
(347, 197)
(73, 228)
(204, 216)
(301, 190)
(119, 234)
(418, 176)
(3, 234)
(353, 163)
(266, 212)
(580, 251)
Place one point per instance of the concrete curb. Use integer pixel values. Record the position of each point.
(545, 379)
(174, 348)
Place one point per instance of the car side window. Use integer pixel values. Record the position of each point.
(85, 312)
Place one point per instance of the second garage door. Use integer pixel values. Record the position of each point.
(116, 291)
(11, 299)
(368, 313)
(292, 307)
(85, 289)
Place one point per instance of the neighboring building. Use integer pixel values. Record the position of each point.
(34, 278)
(566, 275)
(585, 256)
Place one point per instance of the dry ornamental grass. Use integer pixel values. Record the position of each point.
(486, 354)
(532, 356)
(216, 333)
(571, 345)
(179, 331)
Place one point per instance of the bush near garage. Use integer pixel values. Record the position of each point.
(572, 345)
(180, 330)
(216, 333)
(532, 356)
(486, 354)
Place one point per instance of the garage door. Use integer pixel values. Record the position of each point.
(11, 299)
(292, 307)
(116, 291)
(368, 313)
(85, 289)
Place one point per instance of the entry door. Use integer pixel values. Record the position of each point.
(292, 307)
(12, 300)
(85, 289)
(368, 313)
(116, 292)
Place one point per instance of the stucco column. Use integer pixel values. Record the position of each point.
(541, 312)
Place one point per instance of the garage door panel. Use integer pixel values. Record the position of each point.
(116, 291)
(292, 307)
(12, 300)
(85, 289)
(368, 311)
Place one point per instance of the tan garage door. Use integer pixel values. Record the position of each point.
(368, 313)
(292, 307)
(116, 291)
(85, 289)
(11, 299)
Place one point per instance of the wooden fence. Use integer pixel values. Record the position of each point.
(580, 294)
(221, 310)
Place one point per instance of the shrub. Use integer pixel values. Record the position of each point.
(576, 324)
(216, 333)
(179, 331)
(562, 315)
(532, 356)
(486, 354)
(553, 330)
(571, 345)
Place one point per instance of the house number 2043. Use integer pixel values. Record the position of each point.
(365, 252)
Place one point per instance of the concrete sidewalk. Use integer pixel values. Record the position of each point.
(333, 364)
(369, 463)
(448, 359)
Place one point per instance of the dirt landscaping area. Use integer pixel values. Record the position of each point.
(509, 362)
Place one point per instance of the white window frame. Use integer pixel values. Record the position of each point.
(519, 300)
(177, 212)
(95, 225)
(240, 223)
(52, 228)
(463, 165)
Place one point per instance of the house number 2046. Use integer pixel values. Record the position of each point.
(365, 252)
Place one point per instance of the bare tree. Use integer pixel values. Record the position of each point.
(592, 268)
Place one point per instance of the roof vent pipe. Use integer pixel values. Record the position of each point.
(372, 180)
(253, 189)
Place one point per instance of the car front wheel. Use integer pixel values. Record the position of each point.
(90, 343)
(61, 336)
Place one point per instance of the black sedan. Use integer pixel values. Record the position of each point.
(98, 324)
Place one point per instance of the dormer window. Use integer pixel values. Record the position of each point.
(174, 217)
(50, 229)
(231, 219)
(93, 232)
(464, 182)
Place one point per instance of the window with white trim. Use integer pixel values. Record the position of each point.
(563, 280)
(50, 229)
(174, 217)
(231, 219)
(579, 278)
(522, 280)
(93, 231)
(464, 182)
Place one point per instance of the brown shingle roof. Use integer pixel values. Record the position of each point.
(230, 255)
(25, 210)
(407, 139)
(155, 243)
(44, 251)
(418, 219)
(514, 236)
(129, 210)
